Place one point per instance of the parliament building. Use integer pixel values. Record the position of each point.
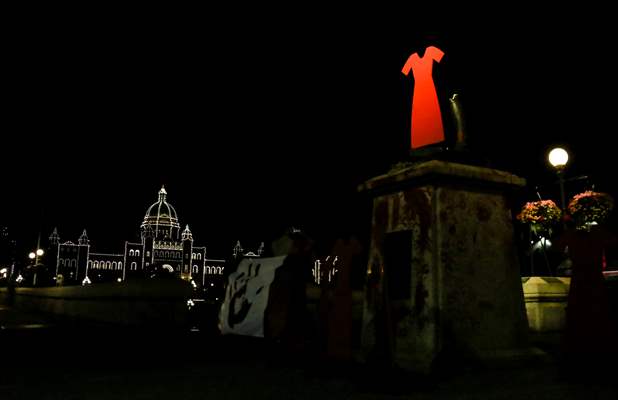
(165, 250)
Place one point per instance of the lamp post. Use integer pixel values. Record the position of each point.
(34, 255)
(558, 158)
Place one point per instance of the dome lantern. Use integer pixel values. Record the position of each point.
(162, 219)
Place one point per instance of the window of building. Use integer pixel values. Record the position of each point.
(131, 253)
(199, 256)
(136, 253)
(114, 265)
(195, 269)
(133, 266)
(148, 254)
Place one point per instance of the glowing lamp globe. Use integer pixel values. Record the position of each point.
(558, 157)
(31, 255)
(40, 252)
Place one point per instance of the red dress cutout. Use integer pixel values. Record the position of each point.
(426, 125)
(590, 329)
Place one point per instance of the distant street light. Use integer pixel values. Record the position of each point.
(558, 158)
(34, 255)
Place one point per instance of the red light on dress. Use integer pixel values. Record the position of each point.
(426, 125)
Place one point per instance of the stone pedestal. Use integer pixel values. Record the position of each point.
(443, 273)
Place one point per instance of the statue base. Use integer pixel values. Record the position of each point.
(443, 273)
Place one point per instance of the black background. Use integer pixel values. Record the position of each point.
(257, 124)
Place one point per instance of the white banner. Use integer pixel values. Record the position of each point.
(246, 296)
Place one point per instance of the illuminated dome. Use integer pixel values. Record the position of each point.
(162, 219)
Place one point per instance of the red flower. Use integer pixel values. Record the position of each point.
(541, 214)
(589, 206)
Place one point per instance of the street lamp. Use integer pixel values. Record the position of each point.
(34, 255)
(558, 158)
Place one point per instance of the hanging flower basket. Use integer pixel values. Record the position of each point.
(590, 207)
(541, 215)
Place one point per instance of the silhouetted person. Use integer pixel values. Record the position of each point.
(590, 332)
(286, 319)
(335, 306)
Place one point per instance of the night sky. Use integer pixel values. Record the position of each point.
(255, 126)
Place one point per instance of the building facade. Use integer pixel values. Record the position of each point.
(164, 249)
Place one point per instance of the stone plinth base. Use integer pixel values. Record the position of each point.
(443, 273)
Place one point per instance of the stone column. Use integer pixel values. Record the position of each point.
(443, 272)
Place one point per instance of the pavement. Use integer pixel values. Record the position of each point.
(43, 358)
